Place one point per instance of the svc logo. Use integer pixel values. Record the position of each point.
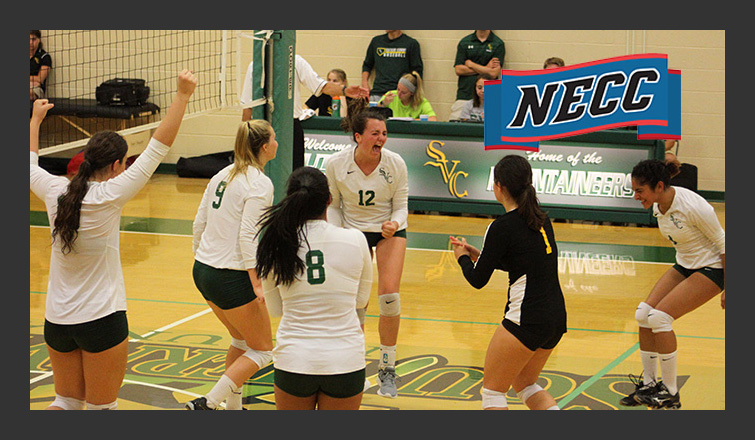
(449, 176)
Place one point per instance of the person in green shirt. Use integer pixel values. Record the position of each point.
(480, 52)
(408, 99)
(389, 55)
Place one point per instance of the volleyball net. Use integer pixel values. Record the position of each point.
(85, 59)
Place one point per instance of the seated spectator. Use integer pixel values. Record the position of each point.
(671, 157)
(474, 110)
(40, 64)
(553, 63)
(323, 104)
(411, 101)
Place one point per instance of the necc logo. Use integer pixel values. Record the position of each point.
(526, 107)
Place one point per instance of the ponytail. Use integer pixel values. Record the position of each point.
(102, 150)
(251, 136)
(515, 173)
(282, 226)
(358, 115)
(529, 208)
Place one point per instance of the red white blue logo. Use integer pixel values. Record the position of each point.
(525, 107)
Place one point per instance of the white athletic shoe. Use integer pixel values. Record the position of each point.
(387, 380)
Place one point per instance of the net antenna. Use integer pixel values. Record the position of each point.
(85, 59)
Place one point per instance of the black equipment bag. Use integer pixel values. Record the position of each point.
(122, 91)
(203, 166)
(687, 177)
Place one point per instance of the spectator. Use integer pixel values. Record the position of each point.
(40, 64)
(390, 55)
(676, 165)
(479, 52)
(553, 63)
(411, 101)
(323, 104)
(474, 110)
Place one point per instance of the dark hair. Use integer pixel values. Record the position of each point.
(37, 33)
(475, 98)
(103, 148)
(651, 171)
(359, 114)
(281, 229)
(515, 173)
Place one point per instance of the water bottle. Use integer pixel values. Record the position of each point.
(335, 106)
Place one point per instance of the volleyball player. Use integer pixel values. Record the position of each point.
(323, 274)
(225, 250)
(86, 329)
(520, 242)
(691, 225)
(370, 191)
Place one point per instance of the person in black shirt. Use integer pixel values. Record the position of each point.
(40, 64)
(520, 242)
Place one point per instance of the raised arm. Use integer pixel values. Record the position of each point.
(168, 129)
(39, 110)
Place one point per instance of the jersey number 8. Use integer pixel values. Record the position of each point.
(315, 267)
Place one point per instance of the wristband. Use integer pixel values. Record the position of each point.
(343, 91)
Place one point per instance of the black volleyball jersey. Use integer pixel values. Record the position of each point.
(531, 260)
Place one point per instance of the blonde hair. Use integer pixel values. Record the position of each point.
(419, 93)
(251, 136)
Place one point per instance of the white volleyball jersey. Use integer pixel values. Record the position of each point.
(307, 77)
(225, 226)
(319, 331)
(87, 284)
(362, 201)
(692, 226)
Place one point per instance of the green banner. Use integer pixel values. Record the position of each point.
(565, 174)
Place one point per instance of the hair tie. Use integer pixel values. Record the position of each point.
(408, 84)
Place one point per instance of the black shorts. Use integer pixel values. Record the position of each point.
(226, 288)
(715, 275)
(338, 386)
(534, 337)
(374, 237)
(93, 336)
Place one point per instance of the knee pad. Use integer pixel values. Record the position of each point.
(107, 406)
(493, 399)
(528, 392)
(641, 315)
(239, 343)
(68, 403)
(361, 314)
(390, 304)
(259, 357)
(660, 321)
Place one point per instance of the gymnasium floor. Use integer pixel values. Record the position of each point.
(177, 346)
